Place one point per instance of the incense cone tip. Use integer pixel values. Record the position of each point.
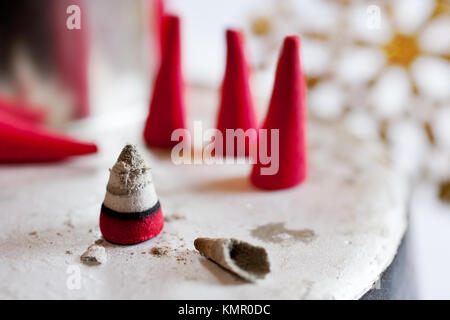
(291, 47)
(92, 148)
(233, 35)
(199, 243)
(130, 156)
(172, 19)
(292, 40)
(234, 40)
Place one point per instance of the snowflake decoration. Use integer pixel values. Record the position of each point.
(381, 67)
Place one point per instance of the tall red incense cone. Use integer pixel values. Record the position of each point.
(131, 212)
(157, 26)
(236, 104)
(22, 110)
(22, 141)
(71, 47)
(167, 103)
(287, 112)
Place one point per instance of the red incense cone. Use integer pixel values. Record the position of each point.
(71, 47)
(286, 113)
(236, 105)
(22, 110)
(131, 212)
(157, 27)
(22, 141)
(167, 102)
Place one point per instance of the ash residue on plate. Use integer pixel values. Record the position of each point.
(173, 217)
(159, 251)
(307, 286)
(444, 191)
(68, 223)
(277, 233)
(185, 256)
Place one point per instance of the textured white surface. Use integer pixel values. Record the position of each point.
(328, 238)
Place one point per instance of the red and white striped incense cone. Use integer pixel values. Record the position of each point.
(23, 141)
(287, 112)
(236, 109)
(131, 212)
(71, 48)
(167, 102)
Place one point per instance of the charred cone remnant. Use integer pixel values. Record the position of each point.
(241, 258)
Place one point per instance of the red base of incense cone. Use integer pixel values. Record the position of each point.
(131, 231)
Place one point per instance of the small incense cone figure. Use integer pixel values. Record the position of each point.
(287, 112)
(236, 109)
(22, 110)
(241, 258)
(23, 141)
(71, 47)
(167, 103)
(131, 212)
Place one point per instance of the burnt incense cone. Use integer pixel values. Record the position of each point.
(24, 141)
(167, 102)
(236, 109)
(131, 212)
(241, 258)
(287, 113)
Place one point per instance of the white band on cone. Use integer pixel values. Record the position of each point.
(136, 202)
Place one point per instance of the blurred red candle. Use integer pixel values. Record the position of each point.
(71, 50)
